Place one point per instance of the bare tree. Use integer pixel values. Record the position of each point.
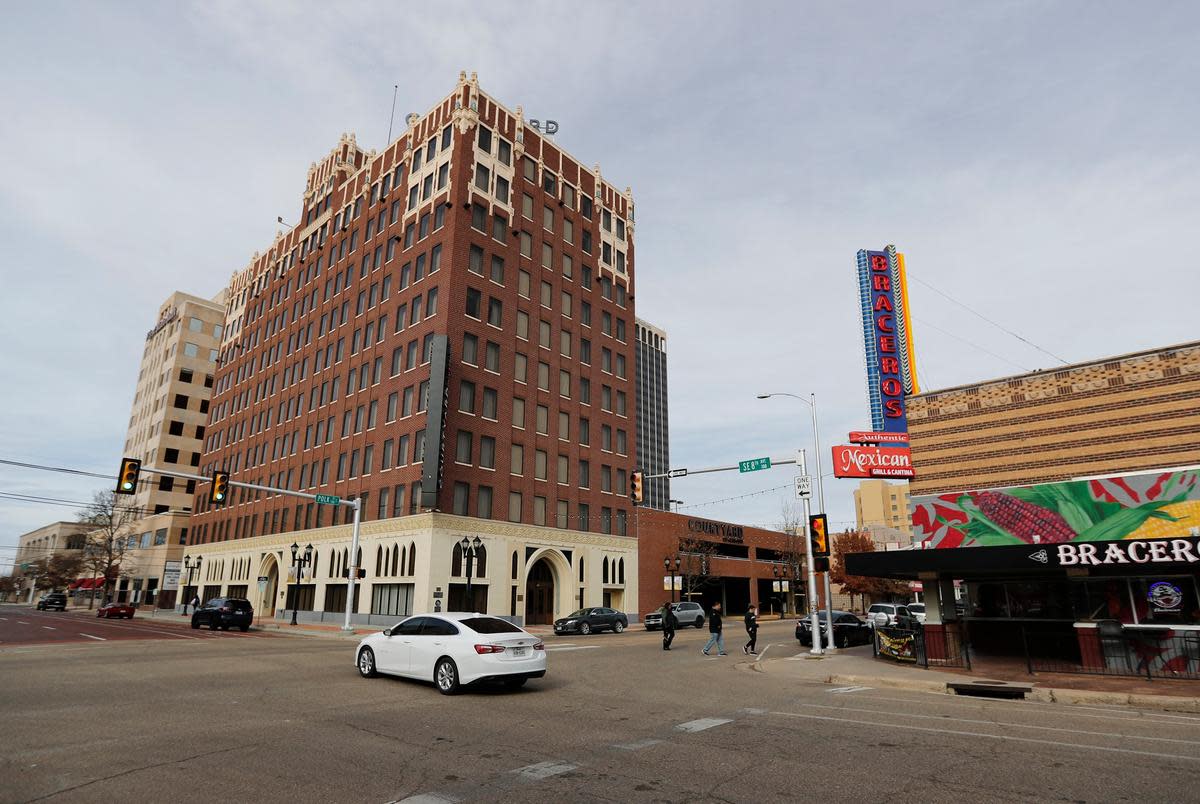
(695, 564)
(794, 553)
(8, 585)
(56, 572)
(106, 545)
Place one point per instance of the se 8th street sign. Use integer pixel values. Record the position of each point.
(754, 464)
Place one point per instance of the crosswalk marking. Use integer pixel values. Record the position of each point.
(702, 724)
(99, 639)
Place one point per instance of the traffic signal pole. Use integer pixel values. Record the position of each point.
(355, 504)
(812, 575)
(812, 406)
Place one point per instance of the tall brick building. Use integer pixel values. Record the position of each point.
(471, 253)
(653, 433)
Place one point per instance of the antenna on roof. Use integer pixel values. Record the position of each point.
(392, 119)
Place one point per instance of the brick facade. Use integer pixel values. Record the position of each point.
(366, 256)
(1121, 414)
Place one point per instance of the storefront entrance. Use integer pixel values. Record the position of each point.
(539, 594)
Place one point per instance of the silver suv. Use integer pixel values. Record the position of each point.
(686, 613)
(888, 614)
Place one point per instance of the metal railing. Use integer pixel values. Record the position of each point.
(1112, 650)
(941, 648)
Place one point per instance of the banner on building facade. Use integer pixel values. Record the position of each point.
(887, 337)
(171, 571)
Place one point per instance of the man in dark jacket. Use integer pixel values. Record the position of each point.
(752, 630)
(669, 623)
(715, 637)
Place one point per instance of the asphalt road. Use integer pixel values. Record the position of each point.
(615, 719)
(27, 626)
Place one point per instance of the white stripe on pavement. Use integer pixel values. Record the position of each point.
(89, 636)
(956, 733)
(544, 770)
(571, 647)
(22, 622)
(639, 745)
(702, 724)
(428, 798)
(49, 628)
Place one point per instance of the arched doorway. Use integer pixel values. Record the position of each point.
(265, 607)
(539, 594)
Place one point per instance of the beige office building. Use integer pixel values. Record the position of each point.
(166, 430)
(883, 504)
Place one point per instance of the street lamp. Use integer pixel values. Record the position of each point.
(469, 546)
(667, 569)
(812, 406)
(191, 568)
(298, 563)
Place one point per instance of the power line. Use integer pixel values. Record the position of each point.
(988, 320)
(62, 469)
(924, 323)
(739, 497)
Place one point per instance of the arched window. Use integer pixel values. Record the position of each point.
(621, 571)
(481, 562)
(395, 559)
(581, 569)
(412, 558)
(358, 557)
(456, 561)
(514, 565)
(604, 572)
(378, 559)
(345, 561)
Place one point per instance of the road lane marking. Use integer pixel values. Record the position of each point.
(843, 690)
(428, 798)
(972, 721)
(22, 622)
(762, 652)
(1010, 738)
(638, 746)
(49, 628)
(89, 636)
(544, 770)
(703, 723)
(571, 647)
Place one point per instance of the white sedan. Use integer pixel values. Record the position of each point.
(452, 650)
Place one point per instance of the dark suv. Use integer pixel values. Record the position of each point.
(223, 612)
(52, 600)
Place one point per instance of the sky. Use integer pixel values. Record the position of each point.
(1036, 162)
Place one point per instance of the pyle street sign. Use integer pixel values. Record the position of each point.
(754, 464)
(803, 487)
(328, 499)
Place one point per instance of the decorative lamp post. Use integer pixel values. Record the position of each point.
(191, 568)
(298, 563)
(673, 572)
(469, 546)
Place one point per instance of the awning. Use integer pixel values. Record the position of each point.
(88, 583)
(1119, 557)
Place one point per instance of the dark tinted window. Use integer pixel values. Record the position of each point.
(437, 627)
(490, 625)
(409, 627)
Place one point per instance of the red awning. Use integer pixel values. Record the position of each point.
(88, 583)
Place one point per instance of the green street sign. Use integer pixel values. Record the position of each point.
(754, 464)
(328, 499)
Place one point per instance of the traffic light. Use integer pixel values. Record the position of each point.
(635, 486)
(220, 488)
(818, 530)
(127, 478)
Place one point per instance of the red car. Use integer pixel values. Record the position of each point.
(118, 610)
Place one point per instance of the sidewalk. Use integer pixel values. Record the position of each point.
(854, 668)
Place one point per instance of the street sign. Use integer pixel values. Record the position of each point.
(677, 473)
(754, 464)
(803, 487)
(328, 499)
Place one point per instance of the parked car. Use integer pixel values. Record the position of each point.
(890, 612)
(585, 621)
(917, 610)
(453, 650)
(848, 629)
(223, 612)
(686, 613)
(52, 600)
(118, 610)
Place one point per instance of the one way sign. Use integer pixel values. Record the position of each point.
(803, 487)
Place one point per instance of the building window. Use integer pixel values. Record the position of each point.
(514, 506)
(461, 497)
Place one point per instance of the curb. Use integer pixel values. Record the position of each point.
(920, 685)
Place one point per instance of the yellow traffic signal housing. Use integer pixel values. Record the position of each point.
(635, 487)
(220, 488)
(818, 529)
(127, 478)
